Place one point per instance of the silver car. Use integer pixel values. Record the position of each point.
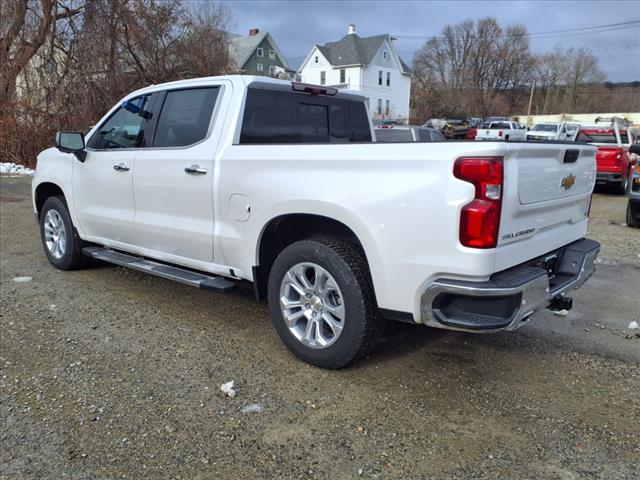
(408, 133)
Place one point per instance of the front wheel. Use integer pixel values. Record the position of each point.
(61, 245)
(322, 303)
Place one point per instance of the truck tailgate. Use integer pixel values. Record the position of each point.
(547, 193)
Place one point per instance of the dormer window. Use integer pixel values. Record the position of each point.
(316, 60)
(384, 54)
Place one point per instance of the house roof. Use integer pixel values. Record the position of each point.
(355, 50)
(242, 47)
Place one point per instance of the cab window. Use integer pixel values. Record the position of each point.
(185, 117)
(125, 128)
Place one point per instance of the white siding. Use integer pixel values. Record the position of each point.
(365, 79)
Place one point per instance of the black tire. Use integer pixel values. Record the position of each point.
(347, 265)
(623, 187)
(631, 220)
(72, 258)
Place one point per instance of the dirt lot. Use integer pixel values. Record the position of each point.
(108, 373)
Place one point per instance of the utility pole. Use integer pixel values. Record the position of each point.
(533, 86)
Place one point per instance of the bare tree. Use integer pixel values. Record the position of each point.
(65, 62)
(470, 65)
(25, 27)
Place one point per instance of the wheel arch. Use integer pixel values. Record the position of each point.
(285, 229)
(45, 190)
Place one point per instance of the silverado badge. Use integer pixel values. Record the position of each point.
(568, 181)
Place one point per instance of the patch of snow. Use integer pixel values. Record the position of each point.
(633, 325)
(561, 313)
(15, 169)
(22, 279)
(228, 390)
(253, 408)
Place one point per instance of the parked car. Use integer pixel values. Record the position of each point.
(502, 130)
(614, 164)
(408, 133)
(474, 122)
(548, 131)
(216, 180)
(633, 207)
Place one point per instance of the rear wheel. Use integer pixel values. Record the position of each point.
(631, 220)
(61, 244)
(623, 187)
(322, 303)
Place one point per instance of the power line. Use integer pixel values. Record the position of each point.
(548, 34)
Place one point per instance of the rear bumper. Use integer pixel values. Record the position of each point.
(510, 298)
(606, 177)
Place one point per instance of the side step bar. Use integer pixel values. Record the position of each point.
(188, 277)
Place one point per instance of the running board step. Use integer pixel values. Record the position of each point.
(188, 277)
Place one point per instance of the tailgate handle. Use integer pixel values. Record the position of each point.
(570, 156)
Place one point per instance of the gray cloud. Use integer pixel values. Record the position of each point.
(297, 25)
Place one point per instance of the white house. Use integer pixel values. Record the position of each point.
(370, 65)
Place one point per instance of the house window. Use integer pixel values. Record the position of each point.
(384, 54)
(316, 60)
(260, 52)
(379, 106)
(388, 79)
(343, 75)
(380, 77)
(272, 54)
(386, 108)
(323, 78)
(259, 67)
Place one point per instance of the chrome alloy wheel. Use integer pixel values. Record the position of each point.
(312, 305)
(55, 235)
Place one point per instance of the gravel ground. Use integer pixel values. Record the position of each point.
(108, 373)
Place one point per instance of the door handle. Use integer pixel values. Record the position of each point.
(121, 167)
(195, 170)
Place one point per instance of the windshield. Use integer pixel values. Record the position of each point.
(541, 127)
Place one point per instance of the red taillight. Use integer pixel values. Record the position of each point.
(480, 219)
(500, 133)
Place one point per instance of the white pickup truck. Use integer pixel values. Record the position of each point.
(501, 131)
(216, 180)
(553, 131)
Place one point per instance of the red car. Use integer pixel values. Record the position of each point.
(614, 165)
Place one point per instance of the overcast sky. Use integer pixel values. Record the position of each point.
(298, 25)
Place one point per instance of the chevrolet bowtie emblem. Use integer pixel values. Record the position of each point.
(568, 181)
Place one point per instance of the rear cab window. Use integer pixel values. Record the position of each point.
(500, 126)
(281, 116)
(390, 135)
(601, 136)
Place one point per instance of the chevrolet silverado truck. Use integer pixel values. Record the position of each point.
(501, 130)
(614, 164)
(217, 180)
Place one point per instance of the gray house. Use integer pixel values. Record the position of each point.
(258, 54)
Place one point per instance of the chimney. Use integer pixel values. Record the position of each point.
(352, 29)
(253, 32)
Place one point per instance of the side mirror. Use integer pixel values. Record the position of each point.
(71, 142)
(635, 148)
